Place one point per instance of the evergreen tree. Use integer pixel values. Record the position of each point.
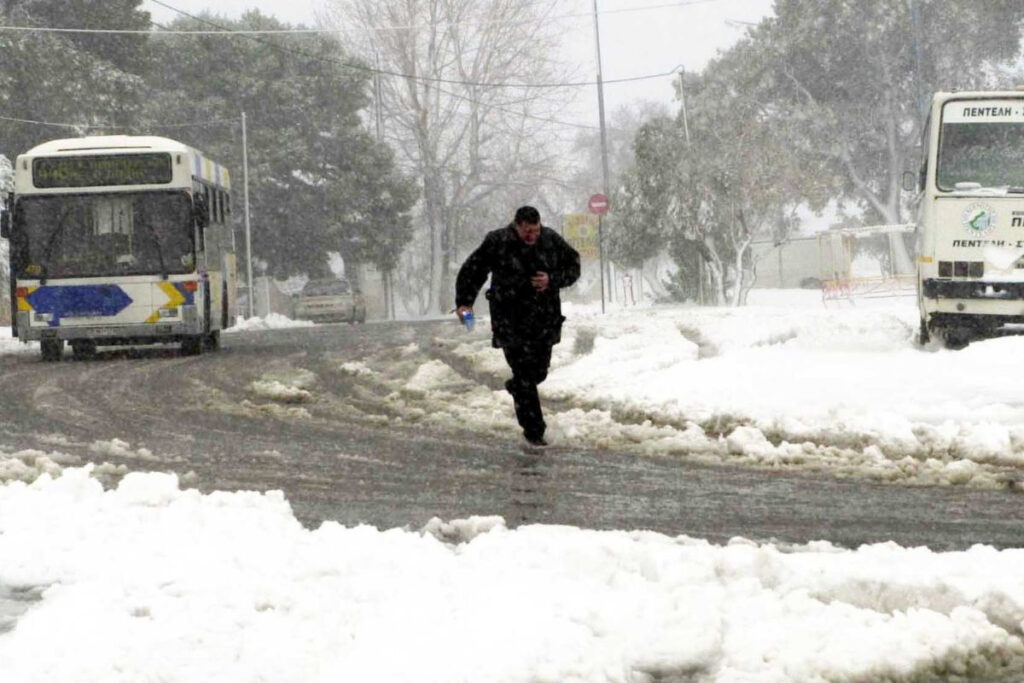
(91, 80)
(318, 181)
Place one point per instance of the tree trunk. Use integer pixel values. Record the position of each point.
(435, 225)
(715, 273)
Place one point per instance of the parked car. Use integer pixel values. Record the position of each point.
(330, 301)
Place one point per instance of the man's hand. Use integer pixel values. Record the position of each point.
(462, 310)
(540, 281)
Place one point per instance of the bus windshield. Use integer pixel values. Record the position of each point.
(83, 235)
(984, 152)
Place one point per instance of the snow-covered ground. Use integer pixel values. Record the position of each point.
(154, 581)
(785, 382)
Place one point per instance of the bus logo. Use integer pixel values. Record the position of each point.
(979, 219)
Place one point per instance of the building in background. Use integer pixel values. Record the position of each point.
(790, 265)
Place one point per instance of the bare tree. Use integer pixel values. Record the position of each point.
(460, 98)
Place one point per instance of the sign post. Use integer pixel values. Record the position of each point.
(598, 204)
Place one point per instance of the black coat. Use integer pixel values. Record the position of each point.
(520, 314)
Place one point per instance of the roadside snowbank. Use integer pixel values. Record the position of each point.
(791, 384)
(151, 582)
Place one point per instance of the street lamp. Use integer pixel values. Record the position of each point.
(604, 152)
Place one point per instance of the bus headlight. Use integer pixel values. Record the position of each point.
(168, 312)
(43, 317)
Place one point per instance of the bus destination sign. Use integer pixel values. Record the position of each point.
(102, 170)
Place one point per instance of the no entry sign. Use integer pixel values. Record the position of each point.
(598, 204)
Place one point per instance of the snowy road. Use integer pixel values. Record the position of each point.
(342, 420)
(758, 440)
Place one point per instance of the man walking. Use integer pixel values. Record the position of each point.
(528, 264)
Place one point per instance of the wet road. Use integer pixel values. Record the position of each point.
(341, 455)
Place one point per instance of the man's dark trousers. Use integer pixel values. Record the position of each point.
(529, 362)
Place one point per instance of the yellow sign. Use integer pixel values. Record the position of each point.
(581, 232)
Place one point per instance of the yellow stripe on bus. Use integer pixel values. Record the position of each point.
(23, 304)
(174, 299)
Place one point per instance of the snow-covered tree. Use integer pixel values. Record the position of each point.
(706, 186)
(851, 80)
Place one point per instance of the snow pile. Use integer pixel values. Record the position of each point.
(272, 321)
(120, 449)
(278, 391)
(12, 345)
(150, 582)
(27, 465)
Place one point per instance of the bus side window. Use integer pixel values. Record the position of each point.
(199, 210)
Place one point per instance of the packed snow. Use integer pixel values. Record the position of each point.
(149, 579)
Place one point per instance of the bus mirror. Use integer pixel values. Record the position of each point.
(909, 181)
(5, 217)
(200, 212)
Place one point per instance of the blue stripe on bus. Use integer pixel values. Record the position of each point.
(78, 301)
(190, 297)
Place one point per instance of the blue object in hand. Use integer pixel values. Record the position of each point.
(468, 320)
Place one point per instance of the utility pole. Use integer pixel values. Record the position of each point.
(915, 37)
(686, 132)
(378, 119)
(248, 234)
(604, 153)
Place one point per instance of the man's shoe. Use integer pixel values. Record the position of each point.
(535, 440)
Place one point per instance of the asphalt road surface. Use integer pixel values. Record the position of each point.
(343, 461)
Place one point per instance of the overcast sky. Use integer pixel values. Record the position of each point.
(638, 37)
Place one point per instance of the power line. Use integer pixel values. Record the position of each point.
(422, 79)
(105, 126)
(251, 35)
(383, 27)
(223, 30)
(370, 70)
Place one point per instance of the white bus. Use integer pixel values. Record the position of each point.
(971, 217)
(119, 240)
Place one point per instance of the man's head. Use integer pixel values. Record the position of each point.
(527, 222)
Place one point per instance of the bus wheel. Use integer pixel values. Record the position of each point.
(52, 349)
(192, 346)
(956, 338)
(84, 349)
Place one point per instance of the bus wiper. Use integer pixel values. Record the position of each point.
(978, 187)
